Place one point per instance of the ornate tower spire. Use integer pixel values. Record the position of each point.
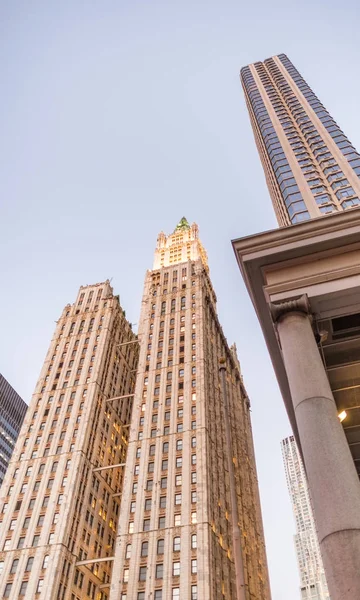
(181, 246)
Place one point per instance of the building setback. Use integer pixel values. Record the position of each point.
(311, 167)
(60, 499)
(175, 532)
(12, 413)
(312, 574)
(304, 282)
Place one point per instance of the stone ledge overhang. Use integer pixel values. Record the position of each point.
(312, 258)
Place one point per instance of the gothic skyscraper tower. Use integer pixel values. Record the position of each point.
(175, 530)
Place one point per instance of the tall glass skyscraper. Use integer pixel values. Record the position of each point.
(310, 166)
(304, 281)
(311, 569)
(12, 413)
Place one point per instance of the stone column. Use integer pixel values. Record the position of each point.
(333, 481)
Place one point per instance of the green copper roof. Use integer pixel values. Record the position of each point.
(183, 225)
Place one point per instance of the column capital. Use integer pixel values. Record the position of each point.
(280, 309)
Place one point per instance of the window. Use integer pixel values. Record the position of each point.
(131, 527)
(178, 480)
(148, 504)
(132, 506)
(175, 594)
(39, 586)
(144, 548)
(126, 575)
(164, 482)
(176, 569)
(149, 485)
(194, 595)
(166, 430)
(159, 571)
(20, 544)
(193, 477)
(45, 561)
(177, 520)
(194, 566)
(176, 544)
(165, 447)
(161, 522)
(150, 467)
(177, 499)
(23, 588)
(164, 465)
(179, 444)
(142, 573)
(162, 502)
(7, 590)
(160, 546)
(193, 518)
(152, 450)
(146, 525)
(14, 566)
(29, 564)
(193, 459)
(35, 541)
(193, 541)
(158, 595)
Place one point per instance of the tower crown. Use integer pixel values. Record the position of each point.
(183, 225)
(180, 246)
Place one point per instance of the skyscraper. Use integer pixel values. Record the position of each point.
(312, 574)
(311, 167)
(12, 413)
(60, 499)
(304, 283)
(175, 532)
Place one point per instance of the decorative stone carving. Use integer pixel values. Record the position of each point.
(299, 304)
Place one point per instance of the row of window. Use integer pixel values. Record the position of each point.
(23, 588)
(158, 594)
(161, 522)
(159, 571)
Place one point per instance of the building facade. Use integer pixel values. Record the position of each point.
(304, 283)
(312, 575)
(175, 533)
(12, 413)
(60, 499)
(310, 165)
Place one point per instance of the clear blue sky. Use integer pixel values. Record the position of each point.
(117, 118)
